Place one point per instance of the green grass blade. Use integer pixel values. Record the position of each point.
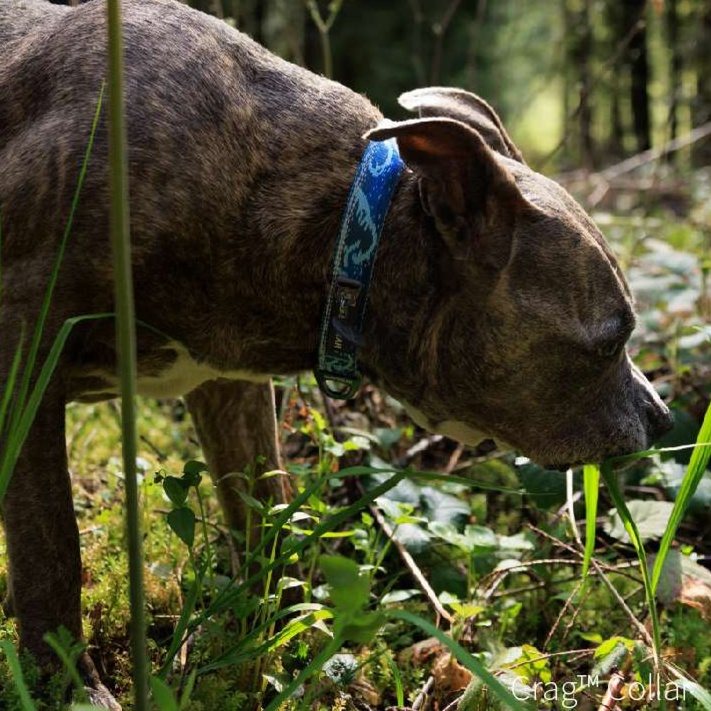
(9, 384)
(70, 667)
(231, 593)
(251, 647)
(591, 485)
(182, 626)
(397, 680)
(694, 473)
(126, 347)
(163, 696)
(694, 689)
(13, 410)
(623, 512)
(329, 649)
(465, 658)
(23, 421)
(14, 663)
(324, 526)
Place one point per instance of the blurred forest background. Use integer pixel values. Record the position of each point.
(579, 83)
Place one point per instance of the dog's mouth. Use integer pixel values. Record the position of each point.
(485, 444)
(617, 463)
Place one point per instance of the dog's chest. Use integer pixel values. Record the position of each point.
(169, 372)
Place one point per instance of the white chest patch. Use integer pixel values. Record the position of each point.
(449, 428)
(179, 378)
(185, 374)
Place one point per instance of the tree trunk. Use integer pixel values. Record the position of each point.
(639, 73)
(581, 53)
(577, 110)
(675, 69)
(701, 107)
(617, 128)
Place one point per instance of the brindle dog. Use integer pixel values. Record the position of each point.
(496, 308)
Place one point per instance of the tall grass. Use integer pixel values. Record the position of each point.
(126, 346)
(651, 575)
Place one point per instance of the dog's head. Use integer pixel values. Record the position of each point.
(526, 343)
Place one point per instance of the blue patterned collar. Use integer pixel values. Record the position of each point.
(341, 334)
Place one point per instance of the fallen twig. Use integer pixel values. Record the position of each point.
(411, 565)
(424, 695)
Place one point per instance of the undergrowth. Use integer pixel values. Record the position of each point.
(504, 567)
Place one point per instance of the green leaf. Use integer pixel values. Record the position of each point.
(192, 472)
(175, 489)
(182, 521)
(415, 538)
(20, 687)
(399, 596)
(672, 476)
(361, 628)
(253, 503)
(607, 646)
(388, 436)
(611, 654)
(651, 518)
(694, 474)
(341, 669)
(438, 505)
(163, 696)
(518, 542)
(593, 637)
(591, 484)
(193, 466)
(350, 590)
(546, 488)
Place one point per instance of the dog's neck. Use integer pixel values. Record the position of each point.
(285, 268)
(266, 254)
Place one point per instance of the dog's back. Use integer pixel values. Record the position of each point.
(19, 17)
(215, 124)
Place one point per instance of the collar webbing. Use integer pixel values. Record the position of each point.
(337, 373)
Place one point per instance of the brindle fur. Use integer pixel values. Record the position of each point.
(496, 306)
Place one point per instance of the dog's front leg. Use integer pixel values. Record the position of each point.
(43, 539)
(236, 425)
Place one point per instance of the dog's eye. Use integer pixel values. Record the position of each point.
(611, 350)
(613, 334)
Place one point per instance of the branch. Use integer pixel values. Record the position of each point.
(411, 565)
(653, 154)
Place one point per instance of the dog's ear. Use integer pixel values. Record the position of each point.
(465, 107)
(464, 186)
